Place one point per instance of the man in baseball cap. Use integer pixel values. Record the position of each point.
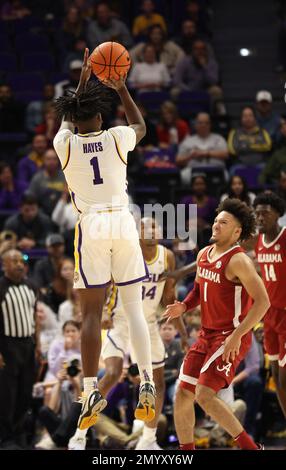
(266, 117)
(70, 84)
(46, 268)
(54, 239)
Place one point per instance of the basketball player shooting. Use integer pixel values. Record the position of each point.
(94, 163)
(233, 299)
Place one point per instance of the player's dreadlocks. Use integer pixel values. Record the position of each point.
(243, 213)
(96, 98)
(270, 199)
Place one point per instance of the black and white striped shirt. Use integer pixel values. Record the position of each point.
(17, 309)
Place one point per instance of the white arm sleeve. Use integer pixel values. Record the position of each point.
(125, 138)
(61, 144)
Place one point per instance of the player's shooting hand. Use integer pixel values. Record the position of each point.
(85, 71)
(231, 347)
(115, 84)
(174, 311)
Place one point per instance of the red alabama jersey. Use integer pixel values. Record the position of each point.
(224, 303)
(272, 261)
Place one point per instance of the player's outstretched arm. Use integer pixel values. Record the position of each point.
(133, 115)
(85, 73)
(242, 268)
(84, 78)
(180, 273)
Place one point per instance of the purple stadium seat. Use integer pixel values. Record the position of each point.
(152, 100)
(38, 62)
(28, 96)
(30, 42)
(8, 62)
(250, 174)
(192, 102)
(29, 81)
(5, 44)
(27, 24)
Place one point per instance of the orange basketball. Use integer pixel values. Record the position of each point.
(110, 60)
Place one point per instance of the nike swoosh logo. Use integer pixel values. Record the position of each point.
(225, 332)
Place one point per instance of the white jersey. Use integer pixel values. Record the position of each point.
(152, 290)
(94, 166)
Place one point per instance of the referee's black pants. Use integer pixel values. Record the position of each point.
(16, 384)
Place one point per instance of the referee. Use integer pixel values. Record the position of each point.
(17, 348)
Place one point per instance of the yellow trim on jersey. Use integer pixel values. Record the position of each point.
(73, 201)
(108, 210)
(165, 259)
(112, 299)
(90, 133)
(155, 257)
(230, 142)
(68, 154)
(76, 256)
(118, 150)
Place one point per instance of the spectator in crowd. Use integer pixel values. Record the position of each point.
(250, 385)
(74, 26)
(14, 10)
(8, 240)
(50, 124)
(277, 161)
(48, 184)
(48, 327)
(198, 71)
(35, 109)
(11, 190)
(30, 225)
(63, 87)
(281, 185)
(76, 53)
(70, 308)
(63, 349)
(237, 188)
(171, 129)
(265, 116)
(18, 346)
(249, 143)
(199, 15)
(55, 415)
(142, 23)
(174, 358)
(149, 75)
(204, 148)
(150, 140)
(188, 36)
(85, 7)
(60, 287)
(167, 51)
(30, 164)
(107, 28)
(206, 206)
(45, 269)
(12, 112)
(64, 214)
